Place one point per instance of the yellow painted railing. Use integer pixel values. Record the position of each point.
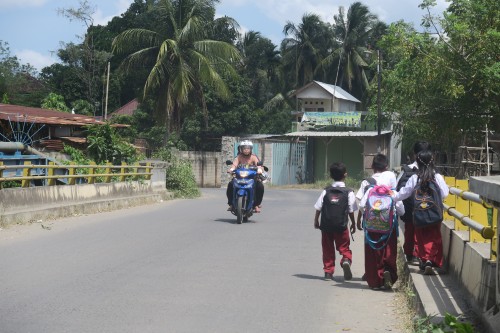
(88, 174)
(470, 213)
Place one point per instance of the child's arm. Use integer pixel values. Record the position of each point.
(353, 226)
(316, 219)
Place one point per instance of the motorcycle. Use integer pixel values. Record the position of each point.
(244, 179)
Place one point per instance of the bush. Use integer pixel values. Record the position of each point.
(180, 179)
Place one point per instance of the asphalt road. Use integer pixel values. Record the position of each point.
(185, 266)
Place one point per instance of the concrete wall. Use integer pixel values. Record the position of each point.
(21, 205)
(206, 166)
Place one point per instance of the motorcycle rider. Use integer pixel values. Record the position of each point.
(245, 157)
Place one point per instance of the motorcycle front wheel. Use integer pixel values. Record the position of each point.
(240, 208)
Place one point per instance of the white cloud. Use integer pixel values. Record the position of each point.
(21, 3)
(293, 10)
(120, 6)
(35, 59)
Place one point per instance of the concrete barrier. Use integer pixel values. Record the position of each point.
(21, 205)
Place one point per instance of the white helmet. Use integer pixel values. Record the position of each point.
(245, 144)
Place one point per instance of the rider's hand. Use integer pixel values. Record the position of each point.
(353, 228)
(230, 171)
(316, 224)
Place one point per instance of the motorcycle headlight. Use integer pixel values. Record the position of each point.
(244, 174)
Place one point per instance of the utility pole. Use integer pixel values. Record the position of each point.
(379, 112)
(107, 89)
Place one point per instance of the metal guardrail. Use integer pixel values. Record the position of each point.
(89, 174)
(473, 214)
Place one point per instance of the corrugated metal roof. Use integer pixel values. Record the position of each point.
(18, 113)
(333, 90)
(338, 92)
(336, 134)
(128, 109)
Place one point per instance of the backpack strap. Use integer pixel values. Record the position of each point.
(371, 182)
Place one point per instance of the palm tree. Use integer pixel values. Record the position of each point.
(304, 50)
(180, 59)
(353, 33)
(260, 63)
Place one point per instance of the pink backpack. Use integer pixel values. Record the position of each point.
(379, 210)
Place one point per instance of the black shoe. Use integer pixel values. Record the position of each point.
(428, 270)
(328, 276)
(346, 266)
(409, 258)
(421, 264)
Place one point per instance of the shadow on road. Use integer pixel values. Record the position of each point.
(232, 221)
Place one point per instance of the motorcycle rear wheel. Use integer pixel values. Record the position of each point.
(240, 208)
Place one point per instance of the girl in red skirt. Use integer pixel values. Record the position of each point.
(428, 238)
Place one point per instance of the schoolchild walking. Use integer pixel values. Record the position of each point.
(335, 205)
(381, 244)
(427, 190)
(409, 246)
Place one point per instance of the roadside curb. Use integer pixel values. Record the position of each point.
(55, 211)
(435, 296)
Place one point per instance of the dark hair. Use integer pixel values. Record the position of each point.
(337, 171)
(426, 169)
(419, 146)
(379, 163)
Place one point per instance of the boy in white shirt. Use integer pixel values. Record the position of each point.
(335, 205)
(380, 265)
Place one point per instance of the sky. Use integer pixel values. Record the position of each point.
(34, 30)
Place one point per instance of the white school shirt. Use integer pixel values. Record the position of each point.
(383, 178)
(406, 191)
(351, 198)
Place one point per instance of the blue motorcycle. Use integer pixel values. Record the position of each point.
(244, 179)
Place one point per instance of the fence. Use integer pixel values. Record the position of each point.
(71, 174)
(471, 214)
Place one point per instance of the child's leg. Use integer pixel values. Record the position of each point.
(342, 244)
(389, 259)
(328, 252)
(409, 244)
(430, 244)
(373, 263)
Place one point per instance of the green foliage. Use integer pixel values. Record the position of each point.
(451, 324)
(106, 146)
(84, 107)
(180, 179)
(440, 85)
(56, 102)
(163, 153)
(180, 57)
(18, 82)
(76, 155)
